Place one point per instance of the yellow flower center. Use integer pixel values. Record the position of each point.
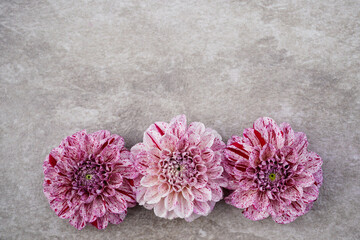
(272, 176)
(88, 176)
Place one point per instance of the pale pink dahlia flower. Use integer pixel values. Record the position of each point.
(88, 179)
(272, 172)
(180, 167)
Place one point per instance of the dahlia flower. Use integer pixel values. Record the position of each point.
(88, 179)
(272, 172)
(180, 169)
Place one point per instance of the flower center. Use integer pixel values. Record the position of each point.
(272, 176)
(89, 176)
(177, 169)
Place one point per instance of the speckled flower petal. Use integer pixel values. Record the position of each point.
(254, 214)
(271, 172)
(181, 169)
(87, 178)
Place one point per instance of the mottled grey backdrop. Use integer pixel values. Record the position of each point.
(121, 65)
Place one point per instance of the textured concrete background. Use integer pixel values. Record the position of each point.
(121, 65)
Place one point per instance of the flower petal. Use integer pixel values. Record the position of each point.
(276, 136)
(313, 163)
(86, 212)
(197, 127)
(206, 141)
(178, 126)
(193, 139)
(98, 207)
(77, 221)
(201, 181)
(152, 195)
(240, 168)
(215, 172)
(300, 144)
(159, 209)
(241, 198)
(254, 214)
(109, 153)
(115, 180)
(171, 200)
(184, 208)
(261, 201)
(238, 151)
(292, 193)
(116, 218)
(284, 219)
(126, 168)
(116, 204)
(207, 155)
(261, 125)
(290, 154)
(183, 143)
(152, 139)
(138, 148)
(289, 134)
(304, 180)
(160, 127)
(267, 152)
(99, 141)
(201, 208)
(149, 180)
(61, 208)
(164, 189)
(101, 223)
(310, 194)
(109, 192)
(275, 208)
(202, 194)
(216, 193)
(254, 137)
(168, 141)
(187, 194)
(297, 208)
(126, 191)
(246, 183)
(140, 194)
(254, 158)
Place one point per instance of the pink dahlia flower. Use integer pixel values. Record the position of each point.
(272, 172)
(180, 167)
(88, 179)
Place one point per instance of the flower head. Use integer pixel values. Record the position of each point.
(272, 172)
(88, 179)
(180, 167)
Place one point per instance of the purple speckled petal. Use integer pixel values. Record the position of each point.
(284, 219)
(77, 221)
(84, 181)
(254, 214)
(261, 201)
(241, 198)
(288, 133)
(267, 152)
(116, 218)
(310, 193)
(271, 172)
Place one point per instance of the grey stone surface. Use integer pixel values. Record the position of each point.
(121, 65)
